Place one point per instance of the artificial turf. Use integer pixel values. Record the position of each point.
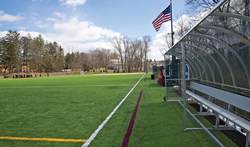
(72, 107)
(158, 123)
(69, 107)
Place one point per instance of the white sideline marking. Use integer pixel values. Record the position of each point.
(110, 115)
(66, 86)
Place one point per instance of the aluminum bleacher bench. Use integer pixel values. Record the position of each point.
(227, 97)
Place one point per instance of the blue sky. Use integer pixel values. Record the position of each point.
(82, 25)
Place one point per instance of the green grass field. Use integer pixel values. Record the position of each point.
(72, 107)
(58, 107)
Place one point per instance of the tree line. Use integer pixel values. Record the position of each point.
(133, 53)
(130, 54)
(94, 59)
(17, 51)
(40, 55)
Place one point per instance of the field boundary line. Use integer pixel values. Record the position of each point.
(67, 86)
(91, 138)
(131, 123)
(43, 139)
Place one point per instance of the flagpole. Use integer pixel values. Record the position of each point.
(174, 68)
(172, 35)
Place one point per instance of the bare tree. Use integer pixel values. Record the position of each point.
(194, 6)
(85, 61)
(117, 44)
(126, 45)
(71, 58)
(167, 38)
(145, 42)
(100, 58)
(106, 58)
(182, 25)
(26, 44)
(137, 59)
(140, 55)
(114, 55)
(93, 57)
(133, 52)
(134, 46)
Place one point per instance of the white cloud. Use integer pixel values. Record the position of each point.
(86, 47)
(73, 2)
(9, 17)
(74, 30)
(60, 15)
(41, 25)
(67, 44)
(22, 28)
(3, 33)
(51, 19)
(158, 47)
(33, 34)
(70, 32)
(75, 33)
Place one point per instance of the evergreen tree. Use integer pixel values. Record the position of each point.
(26, 45)
(38, 52)
(11, 51)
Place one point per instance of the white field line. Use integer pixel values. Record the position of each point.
(111, 74)
(66, 86)
(110, 115)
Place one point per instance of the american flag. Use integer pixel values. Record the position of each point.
(164, 16)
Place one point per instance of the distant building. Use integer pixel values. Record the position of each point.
(115, 64)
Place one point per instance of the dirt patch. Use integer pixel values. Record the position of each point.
(236, 137)
(211, 119)
(197, 107)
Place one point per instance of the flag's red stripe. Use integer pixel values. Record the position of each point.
(163, 19)
(168, 16)
(131, 124)
(159, 17)
(160, 23)
(160, 20)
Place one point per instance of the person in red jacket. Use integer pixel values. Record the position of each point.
(160, 77)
